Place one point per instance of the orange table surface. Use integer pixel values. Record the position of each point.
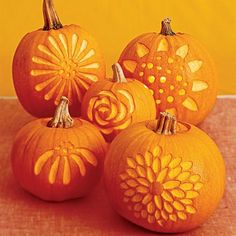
(23, 214)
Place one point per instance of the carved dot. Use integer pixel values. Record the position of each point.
(181, 68)
(149, 65)
(141, 73)
(182, 92)
(172, 87)
(170, 60)
(170, 99)
(143, 65)
(168, 71)
(158, 101)
(158, 58)
(179, 78)
(159, 68)
(151, 79)
(61, 72)
(161, 91)
(163, 79)
(152, 92)
(185, 84)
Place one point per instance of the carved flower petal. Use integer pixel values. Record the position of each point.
(130, 65)
(182, 51)
(123, 126)
(163, 45)
(130, 99)
(190, 104)
(199, 85)
(141, 50)
(195, 65)
(107, 131)
(91, 107)
(162, 175)
(99, 120)
(165, 160)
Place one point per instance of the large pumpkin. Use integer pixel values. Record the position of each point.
(178, 70)
(114, 105)
(164, 177)
(58, 159)
(55, 61)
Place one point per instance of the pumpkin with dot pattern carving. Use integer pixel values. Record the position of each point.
(55, 61)
(163, 175)
(177, 69)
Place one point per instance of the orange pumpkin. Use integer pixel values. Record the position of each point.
(114, 105)
(163, 176)
(55, 61)
(58, 159)
(178, 70)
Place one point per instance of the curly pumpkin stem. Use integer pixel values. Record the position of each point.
(118, 74)
(62, 118)
(166, 28)
(166, 124)
(51, 19)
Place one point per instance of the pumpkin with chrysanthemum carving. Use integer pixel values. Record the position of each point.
(164, 176)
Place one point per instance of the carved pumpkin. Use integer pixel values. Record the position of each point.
(55, 61)
(58, 159)
(114, 105)
(177, 69)
(164, 177)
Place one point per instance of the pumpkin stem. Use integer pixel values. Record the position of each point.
(62, 118)
(118, 74)
(166, 124)
(166, 28)
(51, 20)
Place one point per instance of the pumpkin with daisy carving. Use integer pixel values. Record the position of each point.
(164, 175)
(178, 70)
(58, 159)
(55, 61)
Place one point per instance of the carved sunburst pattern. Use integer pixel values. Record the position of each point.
(160, 188)
(64, 155)
(64, 63)
(180, 88)
(109, 113)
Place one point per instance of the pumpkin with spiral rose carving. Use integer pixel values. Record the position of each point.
(114, 105)
(177, 68)
(164, 176)
(55, 61)
(58, 159)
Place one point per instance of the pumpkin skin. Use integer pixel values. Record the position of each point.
(177, 68)
(114, 105)
(57, 164)
(164, 183)
(51, 63)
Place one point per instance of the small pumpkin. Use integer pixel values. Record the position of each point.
(164, 176)
(178, 70)
(114, 105)
(55, 61)
(58, 159)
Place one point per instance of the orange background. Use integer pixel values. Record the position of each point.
(114, 23)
